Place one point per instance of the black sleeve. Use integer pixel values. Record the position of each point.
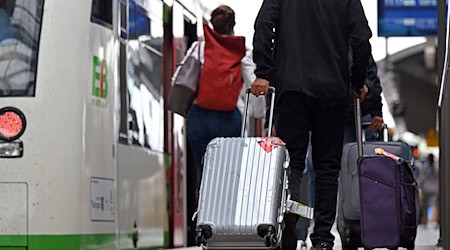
(372, 76)
(359, 33)
(265, 25)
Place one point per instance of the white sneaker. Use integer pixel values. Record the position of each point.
(301, 245)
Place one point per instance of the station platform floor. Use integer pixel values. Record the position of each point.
(427, 238)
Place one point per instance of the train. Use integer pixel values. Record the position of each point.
(90, 155)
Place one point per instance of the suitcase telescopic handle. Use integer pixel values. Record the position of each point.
(358, 126)
(272, 104)
(384, 131)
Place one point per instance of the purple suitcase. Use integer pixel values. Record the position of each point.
(388, 197)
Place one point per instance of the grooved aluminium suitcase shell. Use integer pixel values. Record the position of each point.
(243, 187)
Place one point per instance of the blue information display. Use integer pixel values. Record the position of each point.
(407, 18)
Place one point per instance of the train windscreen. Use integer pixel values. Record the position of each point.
(20, 27)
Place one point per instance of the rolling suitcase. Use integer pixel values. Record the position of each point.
(349, 212)
(388, 197)
(243, 191)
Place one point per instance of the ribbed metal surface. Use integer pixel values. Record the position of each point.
(241, 188)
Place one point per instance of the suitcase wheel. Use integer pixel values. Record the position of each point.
(267, 232)
(200, 240)
(204, 232)
(270, 240)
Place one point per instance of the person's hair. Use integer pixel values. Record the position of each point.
(222, 19)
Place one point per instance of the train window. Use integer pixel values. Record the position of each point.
(142, 105)
(102, 12)
(124, 123)
(139, 22)
(20, 28)
(144, 83)
(123, 19)
(144, 24)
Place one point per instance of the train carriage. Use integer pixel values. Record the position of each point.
(90, 157)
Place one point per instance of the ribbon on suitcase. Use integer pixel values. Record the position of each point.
(299, 209)
(380, 151)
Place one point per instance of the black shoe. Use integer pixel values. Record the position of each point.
(324, 246)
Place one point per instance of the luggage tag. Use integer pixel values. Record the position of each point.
(300, 209)
(270, 143)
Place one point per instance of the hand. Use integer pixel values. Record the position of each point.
(377, 123)
(362, 93)
(260, 87)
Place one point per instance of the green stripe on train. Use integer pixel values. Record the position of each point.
(62, 242)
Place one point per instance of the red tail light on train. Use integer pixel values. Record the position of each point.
(12, 126)
(12, 123)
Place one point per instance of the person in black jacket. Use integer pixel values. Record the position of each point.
(301, 47)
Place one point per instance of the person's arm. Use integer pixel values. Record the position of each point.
(248, 76)
(374, 98)
(376, 89)
(248, 69)
(359, 34)
(265, 25)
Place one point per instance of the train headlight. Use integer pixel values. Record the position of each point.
(12, 124)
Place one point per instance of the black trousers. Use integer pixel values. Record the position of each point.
(296, 116)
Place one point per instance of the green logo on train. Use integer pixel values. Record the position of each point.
(99, 80)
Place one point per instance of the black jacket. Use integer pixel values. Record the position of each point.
(372, 103)
(302, 45)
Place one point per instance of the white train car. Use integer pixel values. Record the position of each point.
(90, 158)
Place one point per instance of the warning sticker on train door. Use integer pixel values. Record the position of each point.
(102, 199)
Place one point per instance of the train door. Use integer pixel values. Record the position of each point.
(98, 175)
(183, 34)
(178, 140)
(143, 217)
(192, 175)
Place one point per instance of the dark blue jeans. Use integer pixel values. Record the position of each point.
(203, 125)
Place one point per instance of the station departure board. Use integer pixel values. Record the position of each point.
(407, 18)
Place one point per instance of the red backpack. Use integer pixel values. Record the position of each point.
(221, 77)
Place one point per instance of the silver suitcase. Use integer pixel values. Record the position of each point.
(243, 192)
